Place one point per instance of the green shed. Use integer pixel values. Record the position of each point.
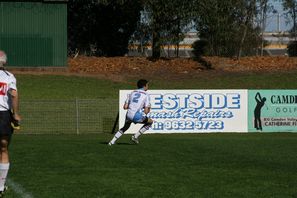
(33, 33)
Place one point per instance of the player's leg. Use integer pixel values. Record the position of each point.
(4, 161)
(5, 136)
(120, 132)
(147, 124)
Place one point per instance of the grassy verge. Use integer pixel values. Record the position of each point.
(69, 87)
(66, 87)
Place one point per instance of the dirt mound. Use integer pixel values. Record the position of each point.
(144, 66)
(255, 63)
(131, 65)
(119, 68)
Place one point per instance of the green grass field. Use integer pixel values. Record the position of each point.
(179, 165)
(192, 165)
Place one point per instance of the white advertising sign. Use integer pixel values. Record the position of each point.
(193, 111)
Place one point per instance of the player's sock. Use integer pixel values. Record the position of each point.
(3, 174)
(116, 136)
(142, 130)
(136, 135)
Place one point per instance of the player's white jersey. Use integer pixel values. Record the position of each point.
(137, 101)
(7, 82)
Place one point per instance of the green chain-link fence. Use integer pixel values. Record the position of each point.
(68, 116)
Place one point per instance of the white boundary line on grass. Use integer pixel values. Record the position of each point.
(18, 189)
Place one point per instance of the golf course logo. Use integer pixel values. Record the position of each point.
(257, 112)
(272, 110)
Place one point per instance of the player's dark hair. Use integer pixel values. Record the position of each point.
(141, 83)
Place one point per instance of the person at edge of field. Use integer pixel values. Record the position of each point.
(9, 113)
(137, 106)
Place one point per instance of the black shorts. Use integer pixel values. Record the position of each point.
(5, 123)
(145, 120)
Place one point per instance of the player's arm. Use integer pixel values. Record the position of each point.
(147, 105)
(147, 110)
(15, 104)
(126, 106)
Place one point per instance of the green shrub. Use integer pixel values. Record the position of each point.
(200, 48)
(292, 48)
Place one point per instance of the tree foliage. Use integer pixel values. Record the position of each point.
(292, 48)
(167, 21)
(290, 6)
(228, 27)
(264, 7)
(101, 28)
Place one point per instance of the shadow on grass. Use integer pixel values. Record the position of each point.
(125, 143)
(120, 143)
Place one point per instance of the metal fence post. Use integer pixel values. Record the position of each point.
(77, 115)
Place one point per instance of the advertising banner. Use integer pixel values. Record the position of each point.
(272, 111)
(193, 111)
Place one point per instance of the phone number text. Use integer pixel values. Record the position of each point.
(188, 125)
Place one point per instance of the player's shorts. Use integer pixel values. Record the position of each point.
(139, 118)
(5, 123)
